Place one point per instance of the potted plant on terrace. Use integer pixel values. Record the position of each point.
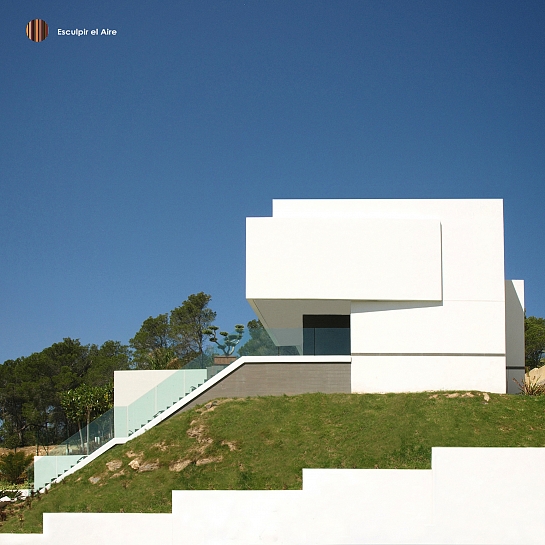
(227, 344)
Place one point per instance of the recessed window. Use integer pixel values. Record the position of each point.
(326, 334)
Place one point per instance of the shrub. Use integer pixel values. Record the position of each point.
(13, 467)
(531, 387)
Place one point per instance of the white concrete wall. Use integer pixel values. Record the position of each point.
(130, 385)
(472, 235)
(471, 232)
(340, 258)
(492, 496)
(454, 327)
(466, 323)
(489, 495)
(395, 373)
(107, 528)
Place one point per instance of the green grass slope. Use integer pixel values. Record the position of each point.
(263, 443)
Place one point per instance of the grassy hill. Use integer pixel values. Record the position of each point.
(263, 443)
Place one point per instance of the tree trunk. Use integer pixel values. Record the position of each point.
(80, 435)
(88, 422)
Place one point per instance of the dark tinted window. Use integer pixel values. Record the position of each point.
(326, 335)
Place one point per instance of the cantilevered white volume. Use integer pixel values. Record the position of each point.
(421, 280)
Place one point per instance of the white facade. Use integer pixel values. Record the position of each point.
(422, 281)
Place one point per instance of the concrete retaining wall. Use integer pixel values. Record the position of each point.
(471, 495)
(279, 378)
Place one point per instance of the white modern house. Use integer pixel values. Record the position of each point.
(369, 296)
(414, 291)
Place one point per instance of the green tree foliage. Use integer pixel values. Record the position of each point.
(154, 334)
(188, 322)
(104, 360)
(163, 358)
(230, 340)
(13, 466)
(534, 337)
(30, 408)
(30, 387)
(171, 340)
(84, 403)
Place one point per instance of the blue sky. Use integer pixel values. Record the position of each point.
(129, 163)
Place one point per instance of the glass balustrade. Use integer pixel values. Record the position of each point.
(89, 438)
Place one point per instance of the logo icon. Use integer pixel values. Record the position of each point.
(37, 30)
